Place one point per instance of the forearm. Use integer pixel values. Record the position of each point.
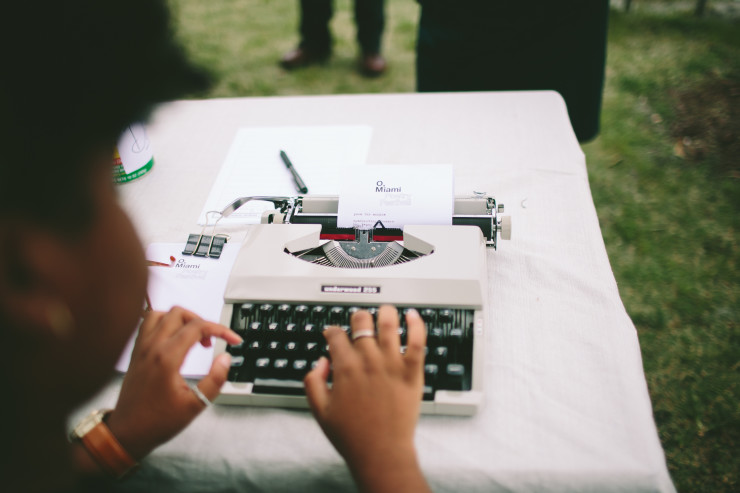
(396, 471)
(88, 473)
(83, 463)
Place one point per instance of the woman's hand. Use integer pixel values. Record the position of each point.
(370, 413)
(155, 402)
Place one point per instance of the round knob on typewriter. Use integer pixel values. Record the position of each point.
(505, 227)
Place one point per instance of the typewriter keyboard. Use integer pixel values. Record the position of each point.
(282, 342)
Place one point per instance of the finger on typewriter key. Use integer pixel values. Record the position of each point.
(388, 338)
(352, 310)
(236, 349)
(416, 341)
(375, 399)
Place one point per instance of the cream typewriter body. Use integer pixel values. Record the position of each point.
(297, 273)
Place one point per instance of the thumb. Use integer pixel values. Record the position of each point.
(317, 392)
(211, 384)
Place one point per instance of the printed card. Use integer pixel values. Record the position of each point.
(393, 196)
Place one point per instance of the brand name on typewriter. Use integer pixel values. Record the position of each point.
(351, 289)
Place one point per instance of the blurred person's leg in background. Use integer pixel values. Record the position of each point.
(370, 20)
(316, 39)
(489, 45)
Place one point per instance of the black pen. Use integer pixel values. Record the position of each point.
(299, 184)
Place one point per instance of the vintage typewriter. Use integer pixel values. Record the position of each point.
(298, 272)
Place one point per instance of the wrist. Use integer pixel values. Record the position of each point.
(101, 445)
(126, 437)
(393, 470)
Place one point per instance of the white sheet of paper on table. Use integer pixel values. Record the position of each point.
(396, 195)
(194, 283)
(253, 166)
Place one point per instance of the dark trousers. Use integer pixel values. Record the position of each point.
(493, 45)
(315, 17)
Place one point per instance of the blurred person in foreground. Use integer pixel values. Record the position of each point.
(73, 274)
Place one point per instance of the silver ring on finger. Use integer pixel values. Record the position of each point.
(200, 395)
(363, 333)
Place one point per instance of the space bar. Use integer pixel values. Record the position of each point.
(278, 386)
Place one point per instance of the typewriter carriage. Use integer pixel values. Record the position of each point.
(378, 247)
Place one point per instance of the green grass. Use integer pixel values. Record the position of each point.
(670, 222)
(241, 41)
(664, 173)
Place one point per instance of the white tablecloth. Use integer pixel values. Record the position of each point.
(567, 407)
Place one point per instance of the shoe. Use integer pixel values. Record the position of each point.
(302, 57)
(372, 64)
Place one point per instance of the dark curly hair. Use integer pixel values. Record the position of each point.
(74, 74)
